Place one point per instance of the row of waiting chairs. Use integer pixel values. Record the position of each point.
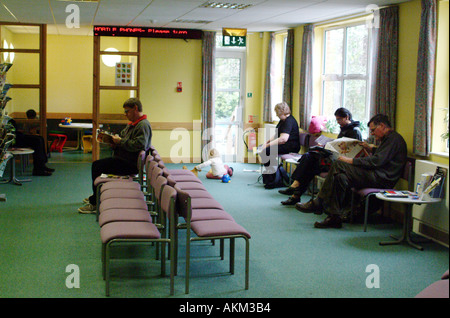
(154, 206)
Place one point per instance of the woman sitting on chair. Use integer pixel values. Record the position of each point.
(286, 140)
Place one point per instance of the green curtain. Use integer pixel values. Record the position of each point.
(208, 62)
(426, 61)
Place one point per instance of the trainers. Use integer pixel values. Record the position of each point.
(86, 200)
(88, 209)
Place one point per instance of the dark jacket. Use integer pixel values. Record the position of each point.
(135, 137)
(388, 159)
(351, 130)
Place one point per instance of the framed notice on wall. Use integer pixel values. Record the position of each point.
(124, 74)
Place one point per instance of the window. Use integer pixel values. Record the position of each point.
(345, 76)
(278, 71)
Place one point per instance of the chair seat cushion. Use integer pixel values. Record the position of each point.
(291, 155)
(193, 193)
(181, 172)
(99, 180)
(218, 228)
(124, 215)
(189, 185)
(210, 214)
(185, 178)
(122, 203)
(439, 289)
(120, 185)
(122, 193)
(129, 230)
(366, 191)
(205, 203)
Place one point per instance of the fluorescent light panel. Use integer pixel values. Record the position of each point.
(225, 5)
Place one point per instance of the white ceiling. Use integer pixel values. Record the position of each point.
(262, 15)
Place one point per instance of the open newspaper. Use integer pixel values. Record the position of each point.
(347, 147)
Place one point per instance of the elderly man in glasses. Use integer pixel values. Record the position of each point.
(136, 137)
(381, 169)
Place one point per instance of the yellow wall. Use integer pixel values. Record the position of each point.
(164, 62)
(69, 74)
(409, 25)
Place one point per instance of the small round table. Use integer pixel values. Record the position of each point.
(17, 152)
(407, 218)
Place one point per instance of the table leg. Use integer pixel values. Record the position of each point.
(406, 234)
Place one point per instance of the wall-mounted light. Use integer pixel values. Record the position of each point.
(5, 54)
(110, 60)
(11, 54)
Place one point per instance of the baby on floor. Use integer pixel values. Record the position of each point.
(218, 168)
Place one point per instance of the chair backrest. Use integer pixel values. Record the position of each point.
(157, 157)
(303, 137)
(168, 199)
(140, 164)
(150, 166)
(158, 185)
(408, 172)
(171, 181)
(183, 203)
(155, 174)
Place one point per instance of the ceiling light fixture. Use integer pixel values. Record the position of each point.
(225, 5)
(191, 21)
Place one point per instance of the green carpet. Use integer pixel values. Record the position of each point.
(41, 234)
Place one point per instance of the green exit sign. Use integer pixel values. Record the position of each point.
(239, 41)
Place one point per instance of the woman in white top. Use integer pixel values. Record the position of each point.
(218, 169)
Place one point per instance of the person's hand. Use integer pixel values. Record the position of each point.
(346, 159)
(116, 139)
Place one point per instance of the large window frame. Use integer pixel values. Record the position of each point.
(343, 77)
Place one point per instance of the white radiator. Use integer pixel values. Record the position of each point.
(431, 220)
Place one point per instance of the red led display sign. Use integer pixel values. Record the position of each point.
(147, 32)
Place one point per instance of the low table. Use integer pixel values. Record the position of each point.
(407, 219)
(17, 152)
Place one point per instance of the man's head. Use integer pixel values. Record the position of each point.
(133, 109)
(379, 126)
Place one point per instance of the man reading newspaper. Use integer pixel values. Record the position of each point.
(381, 169)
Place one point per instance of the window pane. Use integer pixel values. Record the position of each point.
(331, 97)
(227, 73)
(333, 51)
(226, 103)
(355, 98)
(357, 38)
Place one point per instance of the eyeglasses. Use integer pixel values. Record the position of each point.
(126, 111)
(372, 130)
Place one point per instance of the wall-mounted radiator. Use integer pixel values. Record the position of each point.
(431, 220)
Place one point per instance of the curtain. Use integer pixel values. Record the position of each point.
(425, 78)
(289, 69)
(268, 85)
(208, 62)
(306, 77)
(385, 93)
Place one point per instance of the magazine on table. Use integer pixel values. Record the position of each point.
(347, 147)
(434, 185)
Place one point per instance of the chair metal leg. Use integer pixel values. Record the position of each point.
(232, 252)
